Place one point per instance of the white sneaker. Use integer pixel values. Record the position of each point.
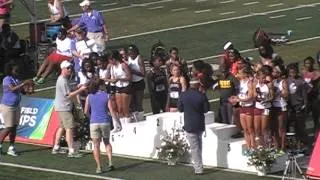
(12, 151)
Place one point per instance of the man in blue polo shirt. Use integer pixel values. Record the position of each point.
(94, 22)
(194, 104)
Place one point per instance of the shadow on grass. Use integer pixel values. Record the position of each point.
(34, 149)
(129, 166)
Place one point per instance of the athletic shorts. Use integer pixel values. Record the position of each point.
(66, 119)
(246, 110)
(100, 131)
(125, 90)
(261, 112)
(138, 86)
(57, 58)
(11, 115)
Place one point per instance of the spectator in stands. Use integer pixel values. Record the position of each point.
(94, 22)
(312, 76)
(158, 85)
(137, 68)
(228, 86)
(83, 48)
(9, 107)
(63, 105)
(120, 75)
(5, 9)
(297, 104)
(263, 94)
(279, 108)
(194, 104)
(10, 43)
(58, 13)
(97, 108)
(177, 84)
(62, 53)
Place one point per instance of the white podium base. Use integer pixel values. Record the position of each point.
(140, 139)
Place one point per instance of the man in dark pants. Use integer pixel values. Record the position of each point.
(194, 104)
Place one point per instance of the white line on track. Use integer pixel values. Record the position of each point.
(225, 2)
(199, 1)
(303, 18)
(57, 171)
(178, 9)
(202, 11)
(103, 11)
(275, 17)
(110, 4)
(191, 25)
(275, 5)
(250, 3)
(157, 7)
(150, 3)
(216, 21)
(226, 13)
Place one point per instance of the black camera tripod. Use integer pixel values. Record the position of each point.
(292, 166)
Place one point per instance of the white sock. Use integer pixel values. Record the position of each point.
(56, 147)
(71, 150)
(11, 147)
(127, 120)
(141, 116)
(116, 123)
(122, 120)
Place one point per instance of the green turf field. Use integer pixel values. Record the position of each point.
(199, 29)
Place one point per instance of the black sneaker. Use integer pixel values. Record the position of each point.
(111, 168)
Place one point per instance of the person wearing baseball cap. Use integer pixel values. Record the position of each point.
(95, 24)
(63, 106)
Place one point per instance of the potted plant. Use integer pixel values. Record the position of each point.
(262, 158)
(173, 146)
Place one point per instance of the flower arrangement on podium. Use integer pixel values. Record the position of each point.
(173, 146)
(262, 158)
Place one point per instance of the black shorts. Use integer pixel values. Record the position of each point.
(5, 16)
(111, 89)
(125, 90)
(138, 86)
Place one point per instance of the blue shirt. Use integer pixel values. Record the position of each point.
(93, 23)
(98, 106)
(194, 104)
(10, 98)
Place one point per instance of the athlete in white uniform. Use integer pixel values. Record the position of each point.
(137, 68)
(264, 95)
(120, 75)
(279, 108)
(246, 102)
